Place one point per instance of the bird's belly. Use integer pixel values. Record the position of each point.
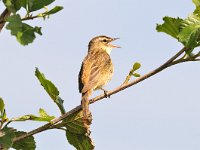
(105, 78)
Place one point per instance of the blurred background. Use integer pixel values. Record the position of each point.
(160, 113)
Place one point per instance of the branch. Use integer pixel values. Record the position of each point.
(6, 13)
(30, 17)
(118, 89)
(191, 58)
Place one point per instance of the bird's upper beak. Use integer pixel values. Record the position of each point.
(114, 46)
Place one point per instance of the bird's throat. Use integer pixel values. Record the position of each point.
(108, 50)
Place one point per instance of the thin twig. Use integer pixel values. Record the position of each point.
(191, 58)
(120, 88)
(6, 13)
(30, 17)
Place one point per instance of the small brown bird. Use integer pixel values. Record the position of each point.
(96, 70)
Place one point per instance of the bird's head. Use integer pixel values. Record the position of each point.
(102, 42)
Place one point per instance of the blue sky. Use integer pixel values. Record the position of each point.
(160, 113)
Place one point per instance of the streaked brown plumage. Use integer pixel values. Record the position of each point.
(96, 70)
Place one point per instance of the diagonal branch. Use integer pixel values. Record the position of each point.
(116, 90)
(6, 13)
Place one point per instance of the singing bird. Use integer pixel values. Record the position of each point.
(96, 70)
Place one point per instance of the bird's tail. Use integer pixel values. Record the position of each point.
(85, 108)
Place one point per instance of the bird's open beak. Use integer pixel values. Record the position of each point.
(114, 46)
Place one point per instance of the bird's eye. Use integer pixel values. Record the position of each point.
(104, 40)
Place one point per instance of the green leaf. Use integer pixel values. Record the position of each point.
(13, 5)
(51, 89)
(170, 26)
(54, 10)
(76, 132)
(38, 4)
(80, 141)
(14, 24)
(2, 107)
(6, 138)
(19, 3)
(30, 117)
(27, 35)
(136, 75)
(189, 36)
(136, 66)
(24, 33)
(27, 143)
(191, 20)
(43, 116)
(196, 2)
(10, 5)
(74, 123)
(197, 11)
(3, 115)
(48, 85)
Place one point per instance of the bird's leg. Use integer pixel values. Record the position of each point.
(105, 92)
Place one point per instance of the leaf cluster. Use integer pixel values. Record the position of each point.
(186, 31)
(7, 136)
(75, 131)
(26, 33)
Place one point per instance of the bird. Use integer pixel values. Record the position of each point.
(96, 70)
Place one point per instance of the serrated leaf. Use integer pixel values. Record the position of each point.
(27, 143)
(14, 24)
(190, 20)
(77, 134)
(80, 141)
(24, 33)
(27, 35)
(196, 2)
(74, 123)
(51, 89)
(43, 116)
(48, 85)
(6, 138)
(136, 75)
(136, 66)
(189, 36)
(54, 10)
(38, 4)
(171, 26)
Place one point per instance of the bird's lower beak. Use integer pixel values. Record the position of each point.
(114, 46)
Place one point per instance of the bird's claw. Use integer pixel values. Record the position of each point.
(106, 94)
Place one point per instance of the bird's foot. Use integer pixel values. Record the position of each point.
(105, 93)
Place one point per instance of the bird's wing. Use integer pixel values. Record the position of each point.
(80, 83)
(84, 73)
(92, 71)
